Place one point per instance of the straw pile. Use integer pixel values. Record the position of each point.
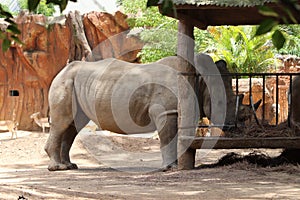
(264, 130)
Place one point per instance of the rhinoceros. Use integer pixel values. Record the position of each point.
(295, 105)
(209, 75)
(118, 96)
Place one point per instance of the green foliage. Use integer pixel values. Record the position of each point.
(240, 49)
(33, 4)
(141, 16)
(3, 9)
(167, 6)
(159, 43)
(266, 26)
(278, 39)
(159, 32)
(292, 44)
(41, 8)
(204, 41)
(8, 35)
(291, 8)
(237, 45)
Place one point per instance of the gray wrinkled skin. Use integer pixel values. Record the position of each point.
(120, 97)
(295, 106)
(227, 99)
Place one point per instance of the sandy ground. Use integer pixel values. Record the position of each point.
(24, 174)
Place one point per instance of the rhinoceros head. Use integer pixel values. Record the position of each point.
(245, 112)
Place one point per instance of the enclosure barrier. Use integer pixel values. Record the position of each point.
(288, 76)
(215, 142)
(263, 76)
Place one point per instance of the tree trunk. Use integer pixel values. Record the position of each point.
(80, 48)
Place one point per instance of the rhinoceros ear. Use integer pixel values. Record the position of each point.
(256, 105)
(221, 64)
(241, 98)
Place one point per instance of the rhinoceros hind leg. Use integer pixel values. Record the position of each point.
(71, 165)
(66, 145)
(53, 166)
(166, 124)
(68, 140)
(61, 166)
(53, 149)
(171, 167)
(54, 144)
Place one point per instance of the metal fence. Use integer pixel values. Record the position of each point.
(274, 86)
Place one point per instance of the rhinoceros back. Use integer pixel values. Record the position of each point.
(93, 88)
(115, 94)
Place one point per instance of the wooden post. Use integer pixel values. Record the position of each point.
(186, 100)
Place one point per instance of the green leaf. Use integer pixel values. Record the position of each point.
(152, 3)
(267, 11)
(6, 14)
(167, 7)
(291, 16)
(278, 39)
(13, 29)
(16, 39)
(266, 26)
(2, 35)
(61, 3)
(32, 4)
(9, 21)
(5, 44)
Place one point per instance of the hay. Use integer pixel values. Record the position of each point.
(287, 157)
(252, 129)
(264, 130)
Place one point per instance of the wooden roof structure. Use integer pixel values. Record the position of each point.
(203, 13)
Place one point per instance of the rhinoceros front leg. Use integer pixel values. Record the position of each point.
(166, 124)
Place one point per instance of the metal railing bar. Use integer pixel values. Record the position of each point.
(275, 95)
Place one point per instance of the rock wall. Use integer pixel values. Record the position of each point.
(49, 44)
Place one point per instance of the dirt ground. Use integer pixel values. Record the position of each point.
(24, 174)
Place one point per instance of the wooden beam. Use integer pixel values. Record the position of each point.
(183, 16)
(187, 119)
(241, 143)
(199, 23)
(213, 15)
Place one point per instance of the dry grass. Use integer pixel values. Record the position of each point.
(264, 130)
(287, 161)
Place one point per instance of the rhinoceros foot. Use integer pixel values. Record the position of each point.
(60, 166)
(71, 165)
(171, 167)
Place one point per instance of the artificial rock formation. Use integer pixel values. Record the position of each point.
(49, 44)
